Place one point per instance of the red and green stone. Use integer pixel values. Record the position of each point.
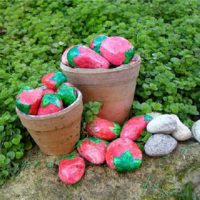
(96, 43)
(67, 93)
(51, 103)
(126, 162)
(54, 79)
(28, 100)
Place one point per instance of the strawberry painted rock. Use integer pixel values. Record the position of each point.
(51, 103)
(71, 169)
(123, 155)
(28, 100)
(83, 57)
(67, 93)
(104, 129)
(64, 56)
(53, 80)
(117, 50)
(93, 149)
(96, 43)
(134, 127)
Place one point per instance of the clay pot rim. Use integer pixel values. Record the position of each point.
(100, 71)
(53, 115)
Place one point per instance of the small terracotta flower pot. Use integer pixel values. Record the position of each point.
(57, 133)
(115, 87)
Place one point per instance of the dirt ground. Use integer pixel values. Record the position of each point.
(157, 179)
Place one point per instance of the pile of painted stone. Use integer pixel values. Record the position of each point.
(121, 154)
(104, 52)
(55, 94)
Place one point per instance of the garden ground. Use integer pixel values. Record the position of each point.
(158, 178)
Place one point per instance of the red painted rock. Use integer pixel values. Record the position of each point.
(53, 80)
(64, 57)
(117, 50)
(51, 103)
(93, 149)
(67, 93)
(134, 127)
(83, 57)
(28, 100)
(71, 169)
(104, 129)
(95, 44)
(123, 155)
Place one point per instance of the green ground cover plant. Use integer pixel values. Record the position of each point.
(33, 35)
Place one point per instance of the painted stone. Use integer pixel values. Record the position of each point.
(54, 79)
(96, 43)
(83, 57)
(71, 169)
(117, 50)
(160, 145)
(93, 149)
(182, 132)
(28, 100)
(64, 56)
(165, 124)
(67, 94)
(196, 130)
(104, 129)
(134, 127)
(51, 103)
(123, 155)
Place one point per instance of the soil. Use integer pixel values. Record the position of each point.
(158, 178)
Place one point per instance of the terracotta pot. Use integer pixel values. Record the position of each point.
(57, 133)
(115, 87)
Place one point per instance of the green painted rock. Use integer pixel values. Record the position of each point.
(28, 100)
(54, 79)
(67, 93)
(123, 155)
(83, 57)
(51, 103)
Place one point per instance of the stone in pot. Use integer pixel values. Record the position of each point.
(117, 50)
(28, 100)
(54, 79)
(83, 57)
(95, 44)
(51, 103)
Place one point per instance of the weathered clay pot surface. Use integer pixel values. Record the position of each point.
(156, 179)
(115, 87)
(57, 133)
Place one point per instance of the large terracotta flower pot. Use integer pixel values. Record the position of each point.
(57, 133)
(115, 87)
